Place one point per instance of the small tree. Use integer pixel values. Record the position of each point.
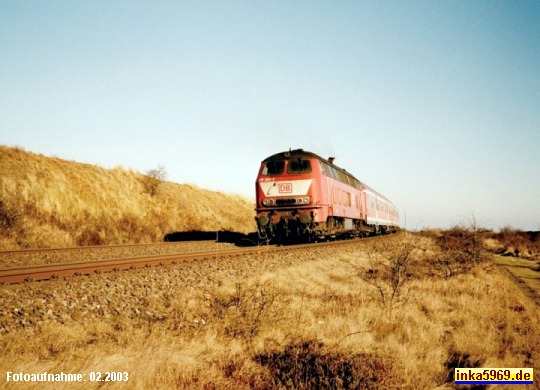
(153, 179)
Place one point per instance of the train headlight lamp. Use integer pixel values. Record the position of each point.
(304, 200)
(286, 201)
(268, 202)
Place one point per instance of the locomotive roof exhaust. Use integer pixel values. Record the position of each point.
(331, 160)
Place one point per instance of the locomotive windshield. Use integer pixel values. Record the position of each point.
(299, 166)
(273, 168)
(293, 166)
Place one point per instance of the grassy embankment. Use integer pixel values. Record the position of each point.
(49, 202)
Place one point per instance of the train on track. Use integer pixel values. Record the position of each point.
(302, 197)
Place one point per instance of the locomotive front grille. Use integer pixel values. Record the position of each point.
(285, 201)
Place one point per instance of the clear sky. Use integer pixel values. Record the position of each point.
(435, 104)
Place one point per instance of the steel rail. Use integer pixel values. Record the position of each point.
(89, 247)
(52, 271)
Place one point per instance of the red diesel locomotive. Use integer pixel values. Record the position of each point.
(303, 197)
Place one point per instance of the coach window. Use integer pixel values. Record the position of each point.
(299, 166)
(273, 168)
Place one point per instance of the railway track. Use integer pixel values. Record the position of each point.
(34, 257)
(87, 249)
(51, 271)
(22, 274)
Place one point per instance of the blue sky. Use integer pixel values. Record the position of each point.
(435, 104)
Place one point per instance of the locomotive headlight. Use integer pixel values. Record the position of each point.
(268, 202)
(304, 200)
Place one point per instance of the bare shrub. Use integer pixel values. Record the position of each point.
(153, 179)
(458, 251)
(244, 310)
(388, 268)
(515, 242)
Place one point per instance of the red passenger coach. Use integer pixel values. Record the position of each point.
(303, 197)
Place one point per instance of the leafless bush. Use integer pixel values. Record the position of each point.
(242, 311)
(458, 251)
(515, 242)
(153, 179)
(388, 268)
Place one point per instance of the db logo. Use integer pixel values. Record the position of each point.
(284, 188)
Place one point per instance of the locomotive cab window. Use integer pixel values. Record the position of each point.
(273, 168)
(299, 166)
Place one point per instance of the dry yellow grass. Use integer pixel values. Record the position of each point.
(49, 202)
(293, 320)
